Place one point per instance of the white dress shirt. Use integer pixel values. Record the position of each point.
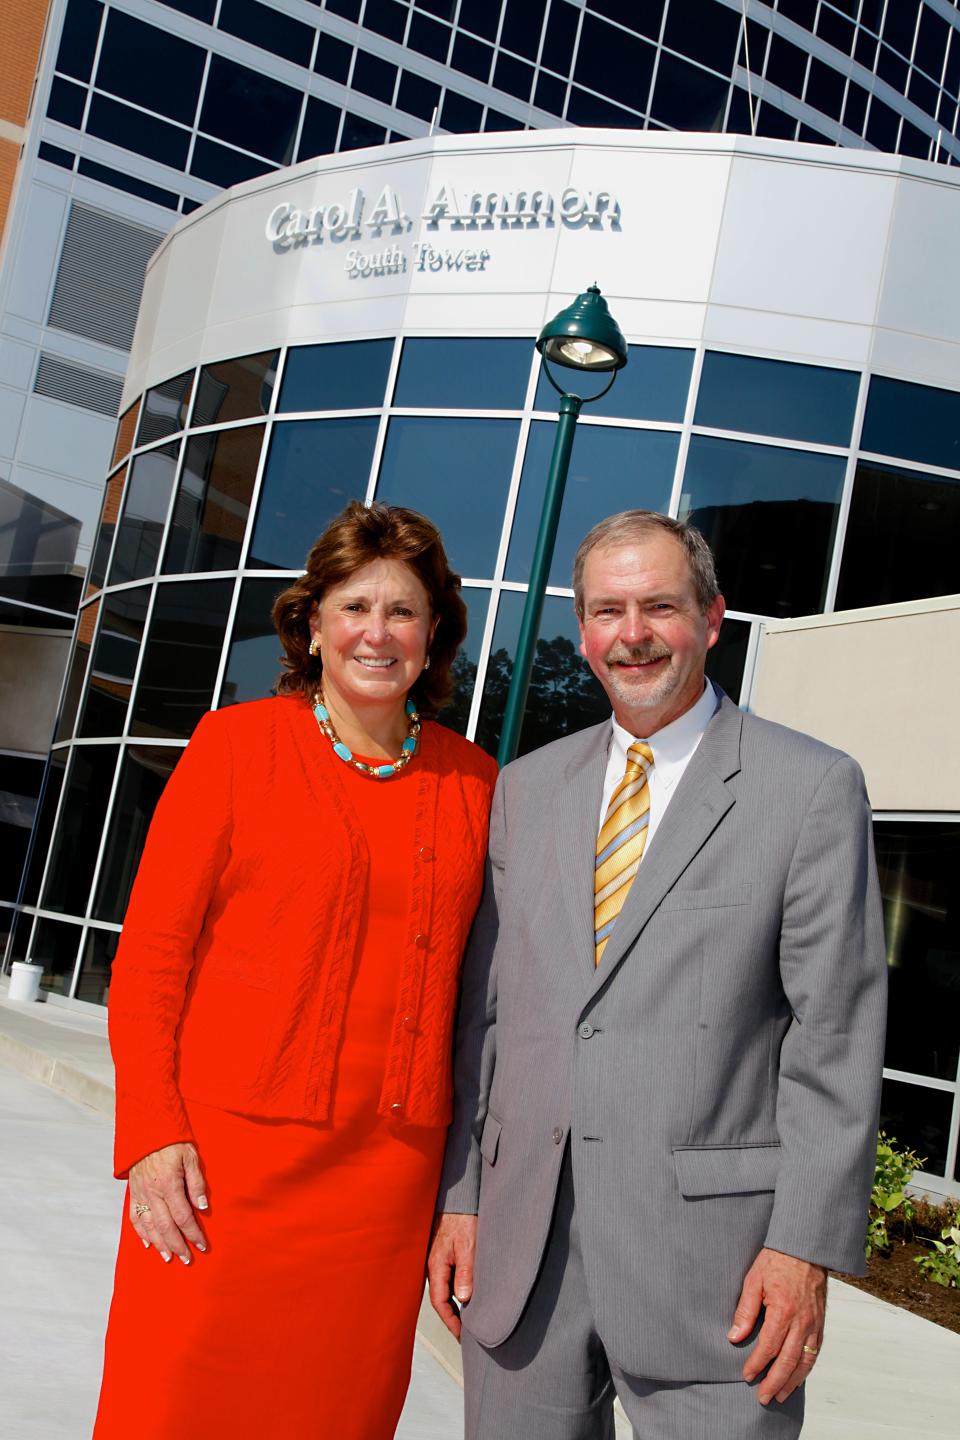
(673, 748)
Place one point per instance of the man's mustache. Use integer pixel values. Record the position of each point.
(638, 655)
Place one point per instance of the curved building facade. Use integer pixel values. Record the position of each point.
(362, 326)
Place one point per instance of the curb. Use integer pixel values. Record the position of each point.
(66, 1079)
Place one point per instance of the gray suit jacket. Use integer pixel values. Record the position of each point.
(718, 1077)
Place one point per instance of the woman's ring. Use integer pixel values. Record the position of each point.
(809, 1350)
(140, 1210)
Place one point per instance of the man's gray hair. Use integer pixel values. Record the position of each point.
(639, 525)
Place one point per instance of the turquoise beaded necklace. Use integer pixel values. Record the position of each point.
(376, 772)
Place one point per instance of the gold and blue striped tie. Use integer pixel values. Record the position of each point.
(620, 843)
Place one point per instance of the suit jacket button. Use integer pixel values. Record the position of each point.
(557, 1134)
(420, 941)
(396, 1108)
(425, 852)
(409, 1022)
(585, 1030)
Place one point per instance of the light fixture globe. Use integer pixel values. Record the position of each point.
(584, 336)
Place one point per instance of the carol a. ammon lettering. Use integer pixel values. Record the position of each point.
(448, 206)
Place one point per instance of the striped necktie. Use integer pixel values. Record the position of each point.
(620, 843)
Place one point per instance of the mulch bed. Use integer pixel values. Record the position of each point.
(894, 1277)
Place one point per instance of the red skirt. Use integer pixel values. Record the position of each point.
(299, 1320)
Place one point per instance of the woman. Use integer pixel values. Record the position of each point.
(281, 1015)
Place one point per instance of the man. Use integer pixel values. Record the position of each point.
(670, 1043)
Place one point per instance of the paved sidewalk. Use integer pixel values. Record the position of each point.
(884, 1374)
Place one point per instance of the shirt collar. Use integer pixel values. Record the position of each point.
(673, 745)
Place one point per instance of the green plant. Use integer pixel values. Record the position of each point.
(942, 1266)
(889, 1195)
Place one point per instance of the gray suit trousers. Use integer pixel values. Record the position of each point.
(552, 1378)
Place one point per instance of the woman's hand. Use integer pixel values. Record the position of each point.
(165, 1189)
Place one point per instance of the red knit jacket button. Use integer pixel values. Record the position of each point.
(409, 1022)
(420, 941)
(425, 852)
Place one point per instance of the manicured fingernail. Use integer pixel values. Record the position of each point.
(165, 1257)
(184, 1259)
(146, 1244)
(201, 1247)
(202, 1202)
(463, 1296)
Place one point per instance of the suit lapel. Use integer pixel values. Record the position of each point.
(698, 805)
(576, 812)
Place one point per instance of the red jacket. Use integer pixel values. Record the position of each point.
(230, 981)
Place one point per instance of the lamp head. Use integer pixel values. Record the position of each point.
(584, 336)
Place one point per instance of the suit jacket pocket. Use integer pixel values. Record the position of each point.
(490, 1138)
(714, 899)
(726, 1169)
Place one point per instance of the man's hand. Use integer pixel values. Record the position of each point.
(794, 1293)
(450, 1266)
(165, 1189)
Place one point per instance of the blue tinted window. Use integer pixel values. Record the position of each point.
(181, 656)
(73, 852)
(917, 867)
(114, 662)
(55, 155)
(463, 673)
(267, 27)
(66, 103)
(122, 125)
(464, 374)
(769, 515)
(144, 771)
(313, 469)
(358, 132)
(770, 397)
(901, 537)
(210, 511)
(223, 166)
(165, 408)
(251, 110)
(235, 389)
(610, 470)
(78, 39)
(106, 175)
(564, 694)
(321, 121)
(150, 66)
(915, 422)
(147, 499)
(652, 385)
(726, 661)
(54, 946)
(456, 472)
(253, 664)
(336, 377)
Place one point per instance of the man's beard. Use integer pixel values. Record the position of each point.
(638, 692)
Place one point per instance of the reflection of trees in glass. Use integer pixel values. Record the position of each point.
(563, 697)
(463, 673)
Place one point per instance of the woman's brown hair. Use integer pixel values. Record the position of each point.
(360, 534)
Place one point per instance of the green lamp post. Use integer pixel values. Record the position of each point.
(582, 337)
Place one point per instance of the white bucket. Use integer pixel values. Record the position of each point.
(24, 981)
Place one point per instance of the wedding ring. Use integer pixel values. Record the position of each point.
(140, 1210)
(809, 1350)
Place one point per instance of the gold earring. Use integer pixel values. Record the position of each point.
(314, 647)
(426, 663)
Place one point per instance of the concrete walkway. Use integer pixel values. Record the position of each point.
(884, 1374)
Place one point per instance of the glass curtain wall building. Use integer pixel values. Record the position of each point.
(779, 393)
(144, 110)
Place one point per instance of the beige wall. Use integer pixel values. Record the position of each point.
(31, 672)
(882, 684)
